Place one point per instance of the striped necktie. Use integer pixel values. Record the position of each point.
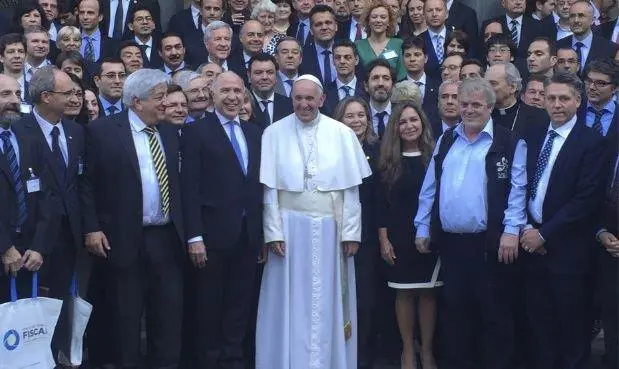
(89, 50)
(514, 31)
(160, 168)
(597, 121)
(18, 185)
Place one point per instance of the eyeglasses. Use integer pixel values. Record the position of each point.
(76, 93)
(597, 83)
(142, 19)
(502, 50)
(450, 67)
(112, 75)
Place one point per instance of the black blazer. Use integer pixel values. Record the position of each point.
(64, 194)
(107, 46)
(333, 97)
(102, 113)
(40, 224)
(155, 61)
(236, 64)
(343, 29)
(601, 48)
(530, 119)
(294, 28)
(111, 194)
(217, 195)
(430, 100)
(193, 38)
(606, 29)
(310, 65)
(529, 30)
(152, 4)
(571, 202)
(464, 18)
(282, 107)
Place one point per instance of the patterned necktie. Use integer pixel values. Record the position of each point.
(18, 185)
(359, 33)
(235, 145)
(438, 40)
(381, 123)
(301, 33)
(514, 31)
(346, 90)
(597, 121)
(327, 66)
(542, 162)
(118, 21)
(112, 110)
(199, 26)
(579, 45)
(161, 169)
(89, 50)
(267, 116)
(61, 165)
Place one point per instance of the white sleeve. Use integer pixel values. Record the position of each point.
(273, 230)
(351, 227)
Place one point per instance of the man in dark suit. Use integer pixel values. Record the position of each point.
(26, 223)
(172, 52)
(351, 28)
(270, 106)
(142, 29)
(300, 25)
(132, 219)
(520, 27)
(346, 84)
(218, 43)
(463, 18)
(318, 56)
(448, 108)
(435, 36)
(188, 25)
(131, 55)
(117, 15)
(588, 45)
(252, 39)
(289, 55)
(95, 43)
(222, 206)
(63, 144)
(608, 30)
(109, 80)
(600, 112)
(565, 184)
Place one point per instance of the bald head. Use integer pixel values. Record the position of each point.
(252, 37)
(10, 98)
(228, 94)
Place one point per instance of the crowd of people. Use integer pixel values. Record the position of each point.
(316, 184)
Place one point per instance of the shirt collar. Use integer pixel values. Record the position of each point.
(421, 80)
(223, 120)
(565, 129)
(148, 43)
(610, 106)
(137, 124)
(96, 36)
(586, 41)
(555, 17)
(105, 104)
(509, 20)
(195, 12)
(352, 84)
(320, 49)
(259, 99)
(488, 130)
(387, 109)
(28, 66)
(169, 70)
(284, 77)
(224, 65)
(442, 32)
(46, 126)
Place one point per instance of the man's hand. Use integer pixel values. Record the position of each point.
(386, 252)
(32, 260)
(263, 255)
(12, 261)
(423, 244)
(197, 254)
(278, 247)
(350, 248)
(610, 242)
(531, 240)
(97, 244)
(508, 248)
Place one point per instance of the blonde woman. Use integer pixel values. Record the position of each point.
(69, 39)
(264, 12)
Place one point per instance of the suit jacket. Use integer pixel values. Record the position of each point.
(433, 67)
(279, 86)
(606, 29)
(40, 223)
(530, 29)
(310, 65)
(107, 21)
(343, 29)
(102, 113)
(430, 99)
(571, 203)
(530, 119)
(155, 61)
(601, 48)
(613, 131)
(236, 64)
(333, 97)
(217, 196)
(464, 18)
(64, 194)
(193, 38)
(112, 164)
(282, 107)
(294, 28)
(107, 46)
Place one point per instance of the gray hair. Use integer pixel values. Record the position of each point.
(406, 91)
(263, 6)
(44, 79)
(215, 25)
(34, 29)
(183, 78)
(69, 31)
(140, 83)
(449, 82)
(475, 85)
(512, 76)
(566, 78)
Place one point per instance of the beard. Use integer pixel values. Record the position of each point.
(8, 117)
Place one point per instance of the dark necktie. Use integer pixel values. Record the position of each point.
(235, 145)
(381, 123)
(89, 50)
(112, 110)
(118, 21)
(514, 31)
(301, 33)
(267, 116)
(542, 162)
(346, 90)
(200, 23)
(579, 45)
(161, 170)
(144, 48)
(60, 164)
(327, 65)
(359, 33)
(18, 185)
(597, 121)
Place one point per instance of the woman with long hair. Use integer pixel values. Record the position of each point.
(380, 23)
(405, 152)
(414, 20)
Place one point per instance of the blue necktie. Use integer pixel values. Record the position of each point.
(597, 121)
(236, 146)
(579, 45)
(118, 21)
(301, 33)
(542, 162)
(381, 123)
(20, 194)
(289, 82)
(439, 48)
(89, 50)
(61, 165)
(327, 66)
(346, 90)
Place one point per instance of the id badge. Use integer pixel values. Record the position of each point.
(25, 108)
(33, 184)
(390, 54)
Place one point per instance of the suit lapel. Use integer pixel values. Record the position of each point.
(32, 125)
(71, 152)
(225, 140)
(565, 152)
(252, 165)
(126, 138)
(169, 138)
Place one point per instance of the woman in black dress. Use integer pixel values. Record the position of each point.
(405, 153)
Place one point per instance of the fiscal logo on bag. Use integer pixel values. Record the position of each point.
(11, 340)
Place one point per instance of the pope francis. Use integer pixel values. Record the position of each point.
(311, 168)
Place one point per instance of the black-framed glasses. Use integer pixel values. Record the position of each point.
(597, 83)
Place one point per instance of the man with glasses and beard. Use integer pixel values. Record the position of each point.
(25, 220)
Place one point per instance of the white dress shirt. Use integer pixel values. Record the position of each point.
(195, 14)
(152, 213)
(148, 44)
(30, 69)
(53, 32)
(518, 26)
(449, 3)
(563, 32)
(170, 71)
(421, 83)
(353, 30)
(46, 127)
(224, 65)
(584, 50)
(269, 105)
(536, 205)
(340, 92)
(375, 118)
(113, 5)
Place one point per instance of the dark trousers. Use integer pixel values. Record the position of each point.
(556, 315)
(220, 303)
(366, 279)
(100, 329)
(477, 329)
(23, 283)
(609, 300)
(152, 286)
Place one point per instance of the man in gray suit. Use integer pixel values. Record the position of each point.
(289, 55)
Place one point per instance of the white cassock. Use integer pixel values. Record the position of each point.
(307, 311)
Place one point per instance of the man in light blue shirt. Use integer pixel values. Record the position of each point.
(601, 79)
(472, 205)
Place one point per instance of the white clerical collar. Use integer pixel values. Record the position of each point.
(148, 43)
(565, 129)
(168, 70)
(271, 98)
(510, 19)
(352, 84)
(586, 41)
(223, 65)
(442, 33)
(223, 120)
(46, 126)
(509, 109)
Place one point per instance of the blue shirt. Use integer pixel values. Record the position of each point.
(96, 43)
(463, 204)
(13, 140)
(105, 105)
(607, 118)
(321, 62)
